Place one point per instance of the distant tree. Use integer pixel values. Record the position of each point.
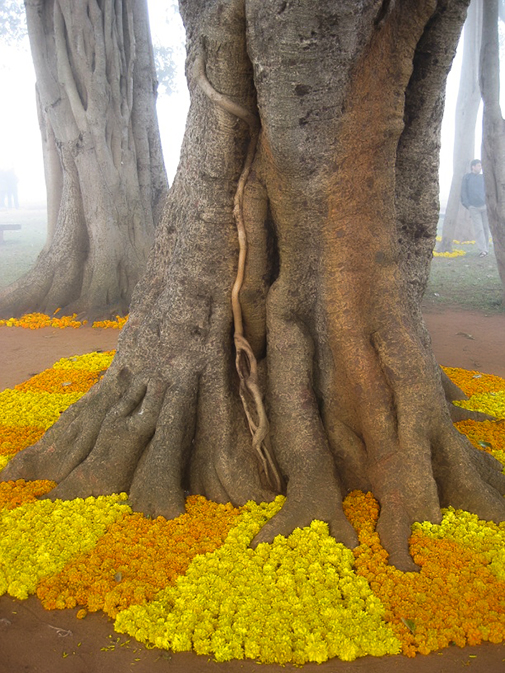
(467, 108)
(105, 176)
(493, 134)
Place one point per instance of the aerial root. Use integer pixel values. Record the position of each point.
(245, 359)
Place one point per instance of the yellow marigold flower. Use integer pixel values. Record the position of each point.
(489, 403)
(454, 253)
(33, 408)
(39, 320)
(118, 323)
(137, 557)
(89, 361)
(241, 598)
(4, 460)
(454, 574)
(37, 539)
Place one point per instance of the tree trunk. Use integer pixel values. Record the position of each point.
(493, 135)
(105, 176)
(467, 108)
(313, 130)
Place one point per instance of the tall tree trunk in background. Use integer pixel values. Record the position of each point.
(106, 181)
(493, 135)
(467, 108)
(313, 130)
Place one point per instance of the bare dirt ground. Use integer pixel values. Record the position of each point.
(33, 640)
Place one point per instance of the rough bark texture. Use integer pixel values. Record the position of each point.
(339, 209)
(493, 134)
(105, 176)
(457, 220)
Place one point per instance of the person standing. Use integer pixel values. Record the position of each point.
(473, 197)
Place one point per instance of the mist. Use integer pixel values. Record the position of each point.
(20, 143)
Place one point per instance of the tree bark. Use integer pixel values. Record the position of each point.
(339, 210)
(467, 108)
(105, 176)
(493, 134)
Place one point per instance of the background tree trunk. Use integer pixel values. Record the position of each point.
(467, 108)
(339, 208)
(493, 136)
(105, 175)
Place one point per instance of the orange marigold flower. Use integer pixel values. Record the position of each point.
(451, 576)
(60, 381)
(15, 493)
(472, 382)
(14, 439)
(138, 557)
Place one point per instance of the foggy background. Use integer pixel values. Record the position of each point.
(20, 144)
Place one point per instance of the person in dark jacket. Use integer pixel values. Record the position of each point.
(473, 197)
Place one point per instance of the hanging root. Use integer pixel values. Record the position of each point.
(245, 361)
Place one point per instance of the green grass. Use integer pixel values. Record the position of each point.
(19, 250)
(468, 283)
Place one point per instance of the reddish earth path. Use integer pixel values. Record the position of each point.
(31, 640)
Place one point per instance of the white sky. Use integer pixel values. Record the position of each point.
(20, 145)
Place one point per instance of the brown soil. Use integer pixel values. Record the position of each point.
(33, 640)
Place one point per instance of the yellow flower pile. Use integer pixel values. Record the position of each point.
(489, 403)
(39, 320)
(296, 600)
(137, 557)
(118, 323)
(29, 409)
(91, 362)
(194, 583)
(439, 238)
(37, 539)
(26, 408)
(454, 253)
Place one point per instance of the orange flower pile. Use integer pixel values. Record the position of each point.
(15, 493)
(137, 557)
(457, 597)
(485, 435)
(14, 439)
(472, 382)
(60, 381)
(70, 376)
(39, 320)
(454, 598)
